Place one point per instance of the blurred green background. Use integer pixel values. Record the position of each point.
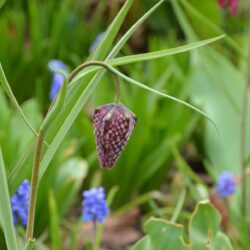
(172, 147)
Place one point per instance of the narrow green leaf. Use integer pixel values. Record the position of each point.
(112, 194)
(206, 21)
(162, 53)
(138, 84)
(124, 39)
(2, 3)
(5, 209)
(183, 21)
(10, 94)
(57, 105)
(179, 205)
(30, 245)
(54, 223)
(109, 36)
(184, 167)
(149, 56)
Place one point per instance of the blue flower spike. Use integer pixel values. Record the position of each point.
(57, 80)
(20, 203)
(94, 204)
(226, 184)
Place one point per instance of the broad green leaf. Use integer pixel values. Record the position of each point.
(10, 94)
(54, 223)
(5, 209)
(221, 242)
(204, 229)
(143, 244)
(30, 245)
(162, 235)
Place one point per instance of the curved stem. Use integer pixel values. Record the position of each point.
(34, 187)
(101, 64)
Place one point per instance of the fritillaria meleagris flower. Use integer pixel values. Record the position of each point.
(113, 125)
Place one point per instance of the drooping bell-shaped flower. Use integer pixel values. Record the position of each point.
(113, 126)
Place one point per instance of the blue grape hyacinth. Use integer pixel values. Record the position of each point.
(226, 184)
(95, 43)
(57, 80)
(20, 203)
(94, 204)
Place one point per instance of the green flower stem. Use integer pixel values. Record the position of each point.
(101, 64)
(98, 236)
(34, 187)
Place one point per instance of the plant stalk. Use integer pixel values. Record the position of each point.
(34, 187)
(101, 64)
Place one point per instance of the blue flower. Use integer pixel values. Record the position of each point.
(20, 203)
(226, 184)
(57, 80)
(95, 43)
(94, 204)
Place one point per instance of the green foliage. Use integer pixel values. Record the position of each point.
(33, 33)
(5, 209)
(30, 245)
(54, 223)
(204, 232)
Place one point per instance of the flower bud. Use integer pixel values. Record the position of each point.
(113, 125)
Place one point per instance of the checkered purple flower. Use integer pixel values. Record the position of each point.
(20, 203)
(113, 126)
(57, 80)
(94, 204)
(226, 184)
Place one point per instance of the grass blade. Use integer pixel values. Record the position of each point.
(194, 12)
(179, 205)
(109, 36)
(30, 245)
(54, 223)
(5, 209)
(10, 94)
(162, 53)
(150, 56)
(2, 3)
(143, 86)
